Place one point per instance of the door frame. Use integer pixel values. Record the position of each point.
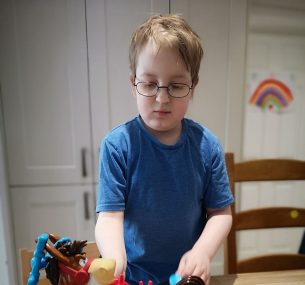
(6, 229)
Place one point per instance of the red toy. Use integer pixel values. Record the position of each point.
(121, 281)
(70, 276)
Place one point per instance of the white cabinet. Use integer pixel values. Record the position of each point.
(44, 80)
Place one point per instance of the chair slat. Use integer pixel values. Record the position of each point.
(270, 218)
(271, 263)
(269, 170)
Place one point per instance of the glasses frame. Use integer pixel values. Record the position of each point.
(160, 87)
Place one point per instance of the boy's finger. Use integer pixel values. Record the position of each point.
(181, 266)
(199, 272)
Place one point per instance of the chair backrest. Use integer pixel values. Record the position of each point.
(271, 217)
(27, 254)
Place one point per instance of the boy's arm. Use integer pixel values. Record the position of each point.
(109, 235)
(197, 260)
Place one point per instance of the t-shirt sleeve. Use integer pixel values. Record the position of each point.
(112, 179)
(218, 193)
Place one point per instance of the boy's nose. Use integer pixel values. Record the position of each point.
(163, 96)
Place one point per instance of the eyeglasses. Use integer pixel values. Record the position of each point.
(150, 89)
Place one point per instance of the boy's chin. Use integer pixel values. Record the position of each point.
(162, 128)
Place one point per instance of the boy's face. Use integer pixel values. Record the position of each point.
(161, 113)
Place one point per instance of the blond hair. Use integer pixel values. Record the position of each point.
(168, 31)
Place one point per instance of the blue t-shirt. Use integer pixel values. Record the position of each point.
(164, 191)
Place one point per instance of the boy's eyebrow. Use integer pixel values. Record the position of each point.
(179, 76)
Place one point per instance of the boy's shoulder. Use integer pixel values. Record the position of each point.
(124, 127)
(122, 131)
(200, 130)
(208, 143)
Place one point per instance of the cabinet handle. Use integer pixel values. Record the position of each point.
(86, 206)
(84, 165)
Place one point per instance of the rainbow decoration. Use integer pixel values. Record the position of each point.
(271, 93)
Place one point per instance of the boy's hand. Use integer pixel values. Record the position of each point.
(120, 268)
(195, 263)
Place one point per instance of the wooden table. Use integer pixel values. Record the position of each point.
(289, 277)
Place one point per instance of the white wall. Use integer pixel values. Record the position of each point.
(7, 255)
(7, 252)
(3, 254)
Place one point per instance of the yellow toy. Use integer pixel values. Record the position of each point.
(102, 270)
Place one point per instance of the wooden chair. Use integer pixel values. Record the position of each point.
(271, 217)
(27, 254)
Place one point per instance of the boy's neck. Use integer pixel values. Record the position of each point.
(169, 137)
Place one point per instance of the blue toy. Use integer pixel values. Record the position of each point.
(38, 261)
(174, 279)
(40, 256)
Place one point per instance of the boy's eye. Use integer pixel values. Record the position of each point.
(149, 85)
(177, 86)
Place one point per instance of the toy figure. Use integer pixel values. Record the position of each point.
(65, 262)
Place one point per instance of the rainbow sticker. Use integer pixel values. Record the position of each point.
(271, 93)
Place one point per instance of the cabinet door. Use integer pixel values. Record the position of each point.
(110, 24)
(45, 92)
(64, 210)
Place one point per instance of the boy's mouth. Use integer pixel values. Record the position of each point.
(161, 112)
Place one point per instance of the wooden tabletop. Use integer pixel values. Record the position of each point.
(290, 277)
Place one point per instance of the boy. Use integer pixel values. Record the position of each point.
(164, 197)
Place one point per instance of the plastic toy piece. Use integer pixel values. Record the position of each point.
(102, 270)
(70, 276)
(174, 279)
(191, 280)
(70, 261)
(38, 261)
(119, 281)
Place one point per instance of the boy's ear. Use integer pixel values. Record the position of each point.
(131, 81)
(194, 86)
(195, 83)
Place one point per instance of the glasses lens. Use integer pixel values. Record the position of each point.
(178, 90)
(147, 88)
